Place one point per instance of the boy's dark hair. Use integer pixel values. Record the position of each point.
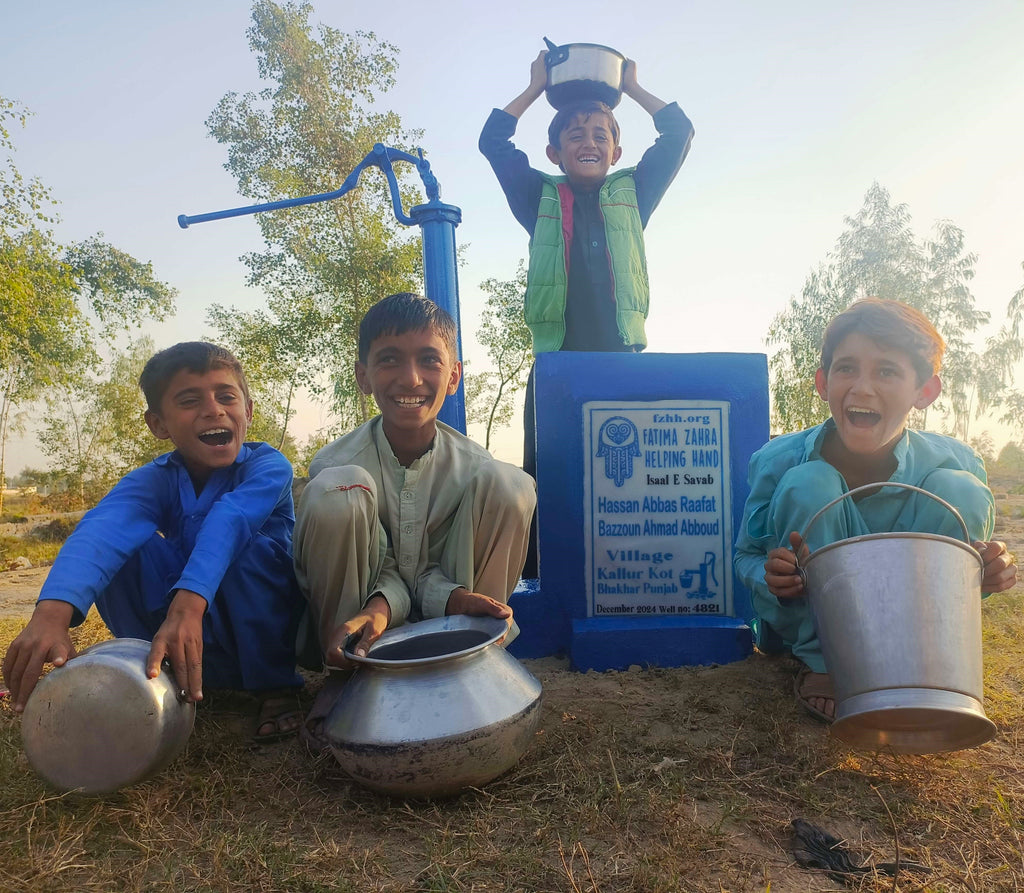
(584, 108)
(406, 312)
(892, 323)
(196, 356)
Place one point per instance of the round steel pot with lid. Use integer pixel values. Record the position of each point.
(434, 707)
(580, 71)
(99, 723)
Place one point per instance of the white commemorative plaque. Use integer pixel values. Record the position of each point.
(657, 508)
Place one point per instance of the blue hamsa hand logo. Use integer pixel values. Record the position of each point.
(618, 442)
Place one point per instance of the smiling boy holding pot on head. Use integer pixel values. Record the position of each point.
(879, 361)
(587, 283)
(587, 286)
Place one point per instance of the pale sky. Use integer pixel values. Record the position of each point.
(798, 107)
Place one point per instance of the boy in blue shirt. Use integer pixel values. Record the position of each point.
(879, 361)
(192, 551)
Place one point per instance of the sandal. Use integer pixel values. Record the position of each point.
(280, 713)
(809, 685)
(312, 729)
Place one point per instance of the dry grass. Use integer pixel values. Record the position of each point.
(656, 781)
(38, 551)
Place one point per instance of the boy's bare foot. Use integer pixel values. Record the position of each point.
(312, 728)
(815, 694)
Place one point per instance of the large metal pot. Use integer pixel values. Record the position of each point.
(434, 707)
(899, 620)
(580, 71)
(99, 723)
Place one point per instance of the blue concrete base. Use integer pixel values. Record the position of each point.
(543, 626)
(558, 614)
(611, 643)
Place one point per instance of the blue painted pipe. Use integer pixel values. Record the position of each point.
(437, 222)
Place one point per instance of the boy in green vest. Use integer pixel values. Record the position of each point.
(587, 283)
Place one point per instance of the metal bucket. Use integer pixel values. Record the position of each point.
(98, 723)
(434, 707)
(899, 620)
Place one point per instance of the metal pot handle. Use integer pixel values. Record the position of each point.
(938, 499)
(555, 55)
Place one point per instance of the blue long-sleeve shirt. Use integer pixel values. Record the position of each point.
(522, 184)
(250, 498)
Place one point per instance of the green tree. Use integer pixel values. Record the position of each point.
(1010, 342)
(273, 348)
(324, 264)
(119, 290)
(1011, 460)
(41, 326)
(878, 255)
(985, 447)
(94, 432)
(503, 332)
(51, 294)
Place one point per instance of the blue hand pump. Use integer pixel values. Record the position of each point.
(437, 222)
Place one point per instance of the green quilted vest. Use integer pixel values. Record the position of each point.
(547, 279)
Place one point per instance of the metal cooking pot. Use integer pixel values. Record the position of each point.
(580, 71)
(434, 707)
(99, 723)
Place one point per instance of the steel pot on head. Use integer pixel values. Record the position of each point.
(899, 620)
(580, 71)
(98, 723)
(434, 707)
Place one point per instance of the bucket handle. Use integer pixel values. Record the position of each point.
(938, 499)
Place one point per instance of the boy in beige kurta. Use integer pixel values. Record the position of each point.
(405, 518)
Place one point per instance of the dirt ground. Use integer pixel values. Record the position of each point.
(18, 591)
(706, 705)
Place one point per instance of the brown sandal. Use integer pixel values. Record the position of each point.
(808, 685)
(280, 710)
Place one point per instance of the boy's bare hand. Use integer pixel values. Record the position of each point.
(45, 640)
(631, 87)
(629, 81)
(476, 604)
(780, 569)
(1000, 567)
(539, 74)
(180, 640)
(368, 624)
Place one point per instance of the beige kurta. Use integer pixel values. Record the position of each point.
(366, 525)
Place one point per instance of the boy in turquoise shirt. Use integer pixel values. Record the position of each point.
(879, 361)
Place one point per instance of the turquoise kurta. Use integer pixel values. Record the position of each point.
(790, 482)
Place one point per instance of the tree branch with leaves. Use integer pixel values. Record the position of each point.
(504, 334)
